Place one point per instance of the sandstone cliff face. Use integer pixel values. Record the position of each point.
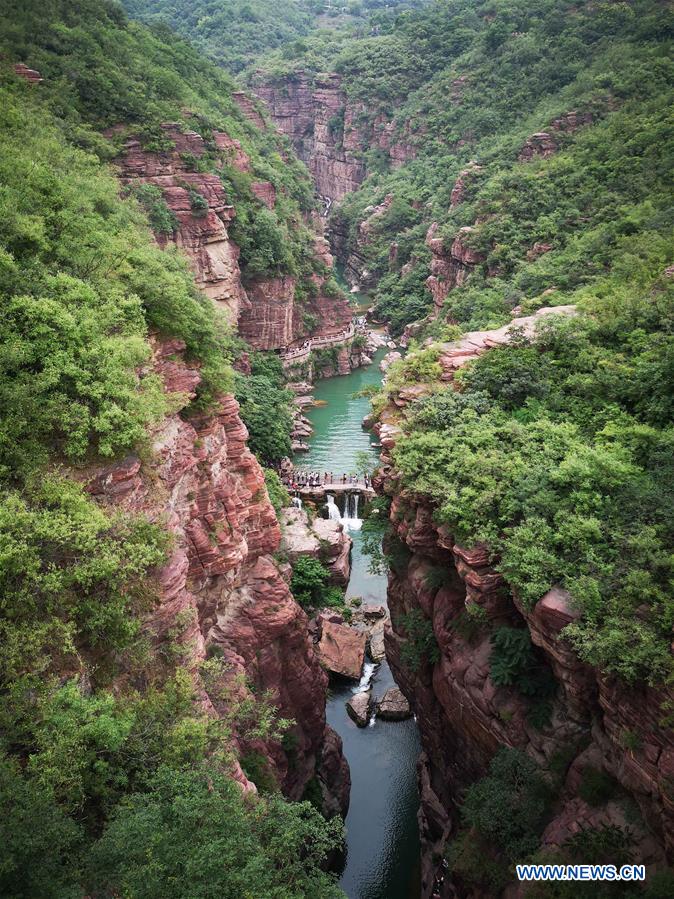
(464, 719)
(266, 311)
(329, 132)
(450, 267)
(204, 237)
(221, 592)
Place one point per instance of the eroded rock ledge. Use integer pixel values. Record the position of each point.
(464, 719)
(266, 310)
(221, 592)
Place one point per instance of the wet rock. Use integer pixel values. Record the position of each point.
(373, 612)
(393, 706)
(342, 650)
(359, 707)
(376, 646)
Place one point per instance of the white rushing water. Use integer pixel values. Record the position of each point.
(350, 519)
(364, 683)
(333, 511)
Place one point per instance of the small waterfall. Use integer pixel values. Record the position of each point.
(297, 502)
(351, 521)
(365, 681)
(333, 511)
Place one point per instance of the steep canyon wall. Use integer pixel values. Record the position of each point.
(598, 726)
(267, 311)
(222, 594)
(330, 132)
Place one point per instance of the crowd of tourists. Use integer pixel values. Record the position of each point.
(296, 480)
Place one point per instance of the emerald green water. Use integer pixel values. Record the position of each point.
(338, 435)
(382, 859)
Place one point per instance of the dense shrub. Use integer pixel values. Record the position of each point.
(420, 646)
(508, 807)
(310, 584)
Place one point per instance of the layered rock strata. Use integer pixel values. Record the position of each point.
(221, 594)
(450, 266)
(329, 132)
(266, 310)
(464, 719)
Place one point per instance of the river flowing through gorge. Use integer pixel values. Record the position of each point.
(382, 860)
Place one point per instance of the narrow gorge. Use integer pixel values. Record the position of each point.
(336, 467)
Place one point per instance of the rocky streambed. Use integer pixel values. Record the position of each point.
(365, 707)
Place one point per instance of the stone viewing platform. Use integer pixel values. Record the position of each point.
(323, 491)
(318, 485)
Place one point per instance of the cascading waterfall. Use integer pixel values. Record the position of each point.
(351, 521)
(333, 511)
(297, 502)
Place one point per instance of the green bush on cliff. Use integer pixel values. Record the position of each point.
(310, 585)
(94, 706)
(508, 807)
(419, 647)
(565, 468)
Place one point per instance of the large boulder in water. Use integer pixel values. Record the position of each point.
(342, 649)
(359, 707)
(393, 706)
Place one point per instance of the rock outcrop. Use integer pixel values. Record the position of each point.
(266, 310)
(342, 649)
(462, 183)
(328, 131)
(393, 706)
(359, 707)
(322, 539)
(546, 143)
(201, 233)
(221, 594)
(451, 267)
(32, 76)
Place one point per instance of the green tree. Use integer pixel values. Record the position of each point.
(194, 833)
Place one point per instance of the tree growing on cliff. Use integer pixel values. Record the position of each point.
(195, 834)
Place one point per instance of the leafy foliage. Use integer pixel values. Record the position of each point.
(278, 494)
(420, 647)
(509, 805)
(266, 407)
(310, 584)
(571, 485)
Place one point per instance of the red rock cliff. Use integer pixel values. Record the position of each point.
(464, 719)
(329, 132)
(221, 592)
(267, 311)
